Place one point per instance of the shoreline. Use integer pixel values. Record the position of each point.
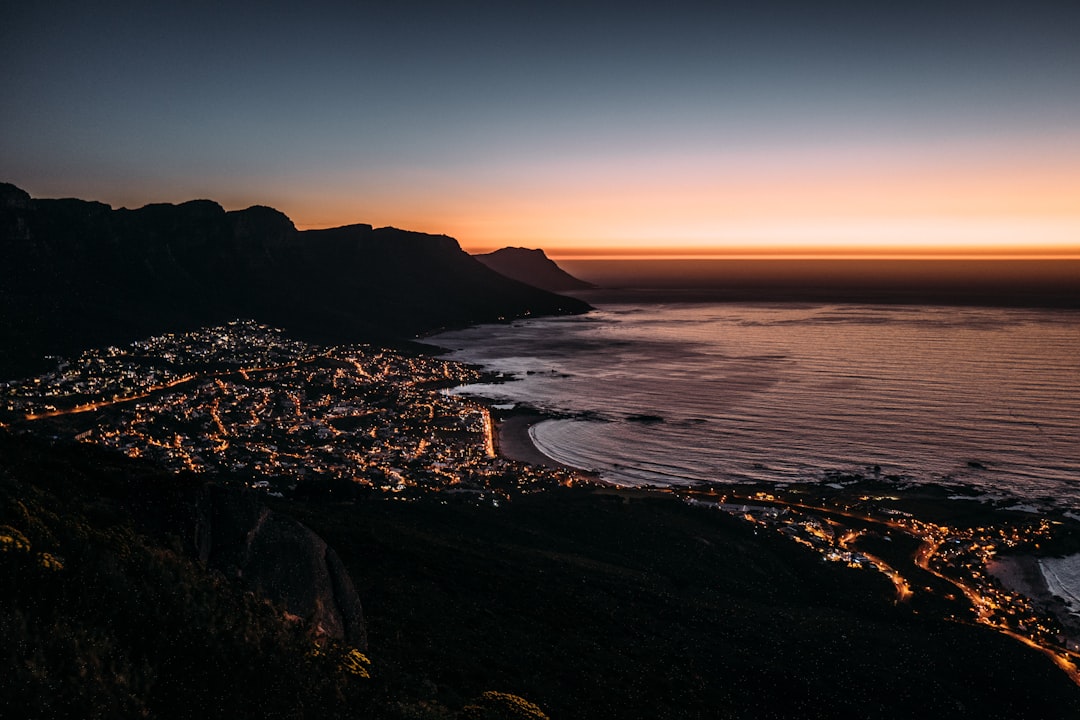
(1021, 573)
(512, 440)
(1024, 574)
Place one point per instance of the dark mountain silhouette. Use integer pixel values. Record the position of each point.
(75, 274)
(532, 267)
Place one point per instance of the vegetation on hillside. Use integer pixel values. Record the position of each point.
(569, 604)
(100, 619)
(615, 606)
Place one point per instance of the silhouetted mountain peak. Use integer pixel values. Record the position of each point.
(417, 239)
(260, 223)
(532, 267)
(74, 274)
(12, 197)
(262, 214)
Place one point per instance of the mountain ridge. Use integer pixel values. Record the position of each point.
(77, 273)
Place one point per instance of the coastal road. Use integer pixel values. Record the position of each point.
(929, 546)
(903, 588)
(182, 380)
(984, 607)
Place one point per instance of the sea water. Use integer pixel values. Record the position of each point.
(1063, 579)
(667, 394)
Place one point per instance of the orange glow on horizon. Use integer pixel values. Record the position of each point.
(818, 254)
(1004, 238)
(854, 202)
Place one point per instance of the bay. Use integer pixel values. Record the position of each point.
(675, 393)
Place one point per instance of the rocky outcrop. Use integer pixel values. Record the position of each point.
(532, 267)
(279, 559)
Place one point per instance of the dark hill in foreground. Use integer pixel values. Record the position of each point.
(106, 612)
(589, 605)
(533, 267)
(612, 606)
(75, 274)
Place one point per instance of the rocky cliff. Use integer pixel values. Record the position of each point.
(279, 559)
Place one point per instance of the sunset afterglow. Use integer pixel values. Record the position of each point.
(587, 131)
(560, 359)
(887, 204)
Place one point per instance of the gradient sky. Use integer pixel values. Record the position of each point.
(583, 128)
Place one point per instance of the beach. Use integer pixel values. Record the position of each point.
(1025, 574)
(512, 439)
(1021, 574)
(513, 442)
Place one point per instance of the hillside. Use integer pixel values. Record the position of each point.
(76, 274)
(532, 267)
(105, 610)
(590, 605)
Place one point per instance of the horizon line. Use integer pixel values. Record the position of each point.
(639, 256)
(989, 252)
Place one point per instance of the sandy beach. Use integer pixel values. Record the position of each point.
(1023, 574)
(512, 439)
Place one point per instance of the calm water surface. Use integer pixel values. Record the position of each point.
(669, 394)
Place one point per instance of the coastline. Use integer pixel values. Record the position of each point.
(1021, 574)
(513, 442)
(1024, 574)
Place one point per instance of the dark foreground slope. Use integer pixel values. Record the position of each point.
(533, 267)
(105, 613)
(76, 274)
(601, 606)
(589, 605)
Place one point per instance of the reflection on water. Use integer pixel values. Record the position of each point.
(733, 392)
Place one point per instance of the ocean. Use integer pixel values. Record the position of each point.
(675, 393)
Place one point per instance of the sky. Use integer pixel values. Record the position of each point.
(588, 129)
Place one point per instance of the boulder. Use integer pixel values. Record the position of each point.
(280, 559)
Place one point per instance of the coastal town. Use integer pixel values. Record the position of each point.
(968, 569)
(246, 404)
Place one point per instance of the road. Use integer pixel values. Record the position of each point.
(183, 379)
(922, 559)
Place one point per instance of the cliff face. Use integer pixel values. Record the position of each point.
(532, 267)
(227, 528)
(278, 558)
(75, 274)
